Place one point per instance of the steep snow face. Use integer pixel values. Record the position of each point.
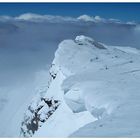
(98, 89)
(36, 115)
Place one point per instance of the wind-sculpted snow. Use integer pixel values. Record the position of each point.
(90, 80)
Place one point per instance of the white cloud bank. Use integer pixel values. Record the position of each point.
(51, 18)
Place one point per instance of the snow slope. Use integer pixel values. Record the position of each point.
(98, 89)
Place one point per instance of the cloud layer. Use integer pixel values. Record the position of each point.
(51, 18)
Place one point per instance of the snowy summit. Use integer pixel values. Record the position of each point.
(93, 91)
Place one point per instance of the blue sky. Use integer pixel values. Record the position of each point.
(122, 11)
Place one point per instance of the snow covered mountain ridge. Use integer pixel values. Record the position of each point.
(93, 91)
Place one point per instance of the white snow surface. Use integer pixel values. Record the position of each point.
(98, 89)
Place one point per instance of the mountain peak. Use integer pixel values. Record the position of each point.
(84, 40)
